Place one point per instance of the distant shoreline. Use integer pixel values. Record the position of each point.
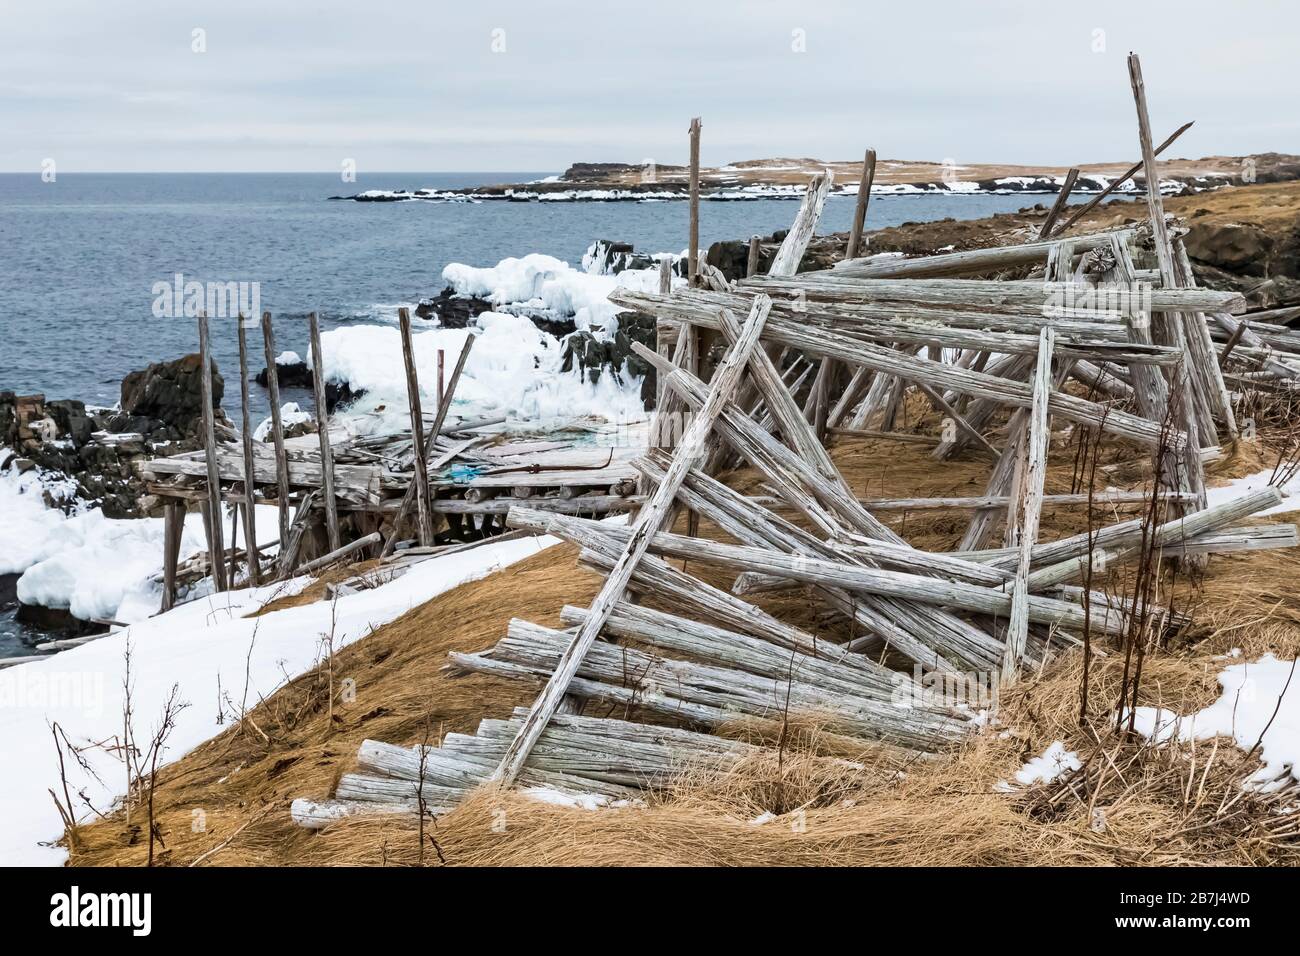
(788, 178)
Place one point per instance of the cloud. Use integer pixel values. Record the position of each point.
(407, 84)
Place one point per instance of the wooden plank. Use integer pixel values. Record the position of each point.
(250, 492)
(751, 261)
(1029, 508)
(424, 527)
(964, 262)
(860, 208)
(725, 381)
(1010, 294)
(277, 427)
(215, 546)
(352, 547)
(322, 428)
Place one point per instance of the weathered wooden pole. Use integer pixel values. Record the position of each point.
(1029, 506)
(322, 429)
(250, 508)
(1191, 475)
(216, 550)
(1062, 198)
(277, 429)
(421, 476)
(751, 263)
(649, 521)
(173, 528)
(408, 500)
(441, 380)
(860, 210)
(693, 246)
(1116, 183)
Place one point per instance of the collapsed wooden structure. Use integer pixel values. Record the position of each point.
(1106, 332)
(447, 477)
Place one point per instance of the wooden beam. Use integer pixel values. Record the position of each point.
(322, 429)
(352, 547)
(860, 209)
(649, 520)
(173, 529)
(277, 428)
(408, 500)
(250, 516)
(424, 528)
(1116, 183)
(1029, 508)
(751, 262)
(215, 546)
(693, 240)
(796, 240)
(1062, 198)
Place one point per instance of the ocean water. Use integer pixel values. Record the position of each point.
(79, 257)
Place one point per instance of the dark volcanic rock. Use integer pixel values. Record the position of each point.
(160, 404)
(731, 257)
(615, 357)
(298, 375)
(287, 375)
(165, 400)
(456, 311)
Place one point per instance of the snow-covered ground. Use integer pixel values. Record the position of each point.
(1240, 486)
(95, 567)
(515, 369)
(1259, 708)
(204, 647)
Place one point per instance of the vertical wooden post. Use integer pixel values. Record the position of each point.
(441, 380)
(1155, 204)
(322, 428)
(432, 436)
(665, 275)
(233, 574)
(216, 550)
(277, 429)
(250, 484)
(209, 444)
(751, 263)
(860, 210)
(421, 475)
(173, 528)
(1029, 504)
(1191, 476)
(693, 246)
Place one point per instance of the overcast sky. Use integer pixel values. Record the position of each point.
(288, 85)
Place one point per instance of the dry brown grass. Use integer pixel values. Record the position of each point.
(893, 811)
